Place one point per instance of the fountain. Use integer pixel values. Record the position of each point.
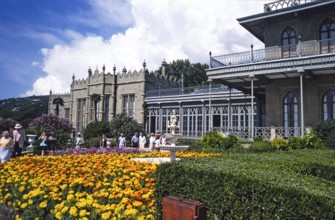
(172, 137)
(169, 144)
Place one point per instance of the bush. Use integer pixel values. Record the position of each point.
(312, 141)
(296, 143)
(96, 129)
(251, 186)
(280, 144)
(6, 123)
(215, 141)
(260, 146)
(122, 123)
(325, 130)
(193, 145)
(60, 127)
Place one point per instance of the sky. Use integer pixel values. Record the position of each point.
(43, 43)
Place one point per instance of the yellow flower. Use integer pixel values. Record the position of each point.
(106, 215)
(69, 197)
(44, 204)
(137, 203)
(73, 211)
(23, 205)
(83, 213)
(58, 215)
(65, 209)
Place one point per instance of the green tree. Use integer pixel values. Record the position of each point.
(122, 123)
(96, 99)
(58, 102)
(192, 73)
(96, 129)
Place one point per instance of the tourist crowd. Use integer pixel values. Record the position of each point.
(12, 142)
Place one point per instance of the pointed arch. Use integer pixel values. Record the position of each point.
(290, 105)
(327, 36)
(328, 105)
(288, 42)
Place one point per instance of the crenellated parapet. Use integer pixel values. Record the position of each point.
(130, 76)
(61, 95)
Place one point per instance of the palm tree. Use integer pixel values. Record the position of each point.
(58, 102)
(95, 98)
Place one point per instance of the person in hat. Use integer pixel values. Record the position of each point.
(79, 140)
(18, 136)
(6, 143)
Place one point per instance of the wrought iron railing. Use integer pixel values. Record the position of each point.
(306, 48)
(266, 133)
(204, 89)
(284, 4)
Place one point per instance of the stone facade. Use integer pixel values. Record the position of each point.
(119, 93)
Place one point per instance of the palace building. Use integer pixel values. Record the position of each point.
(118, 93)
(282, 89)
(294, 75)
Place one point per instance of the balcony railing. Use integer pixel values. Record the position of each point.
(266, 133)
(306, 48)
(284, 4)
(197, 90)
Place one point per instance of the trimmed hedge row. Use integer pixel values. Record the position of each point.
(250, 186)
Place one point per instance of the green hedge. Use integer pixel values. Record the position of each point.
(251, 186)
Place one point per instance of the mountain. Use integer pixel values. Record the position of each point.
(24, 110)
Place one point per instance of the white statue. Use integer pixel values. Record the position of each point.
(173, 123)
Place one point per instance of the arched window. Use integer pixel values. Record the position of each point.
(288, 43)
(290, 111)
(328, 105)
(327, 36)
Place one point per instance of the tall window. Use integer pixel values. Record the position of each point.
(290, 110)
(67, 113)
(81, 112)
(94, 113)
(327, 36)
(106, 111)
(328, 104)
(128, 104)
(288, 43)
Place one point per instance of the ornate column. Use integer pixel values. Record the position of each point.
(252, 76)
(301, 71)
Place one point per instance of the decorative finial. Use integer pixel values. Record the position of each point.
(50, 92)
(89, 71)
(73, 77)
(114, 68)
(164, 63)
(103, 68)
(210, 53)
(144, 64)
(124, 70)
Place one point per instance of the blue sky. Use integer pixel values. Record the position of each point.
(44, 42)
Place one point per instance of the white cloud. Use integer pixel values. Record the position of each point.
(35, 63)
(162, 29)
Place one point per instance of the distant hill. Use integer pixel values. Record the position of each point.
(24, 110)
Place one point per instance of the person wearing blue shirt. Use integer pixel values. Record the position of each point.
(135, 140)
